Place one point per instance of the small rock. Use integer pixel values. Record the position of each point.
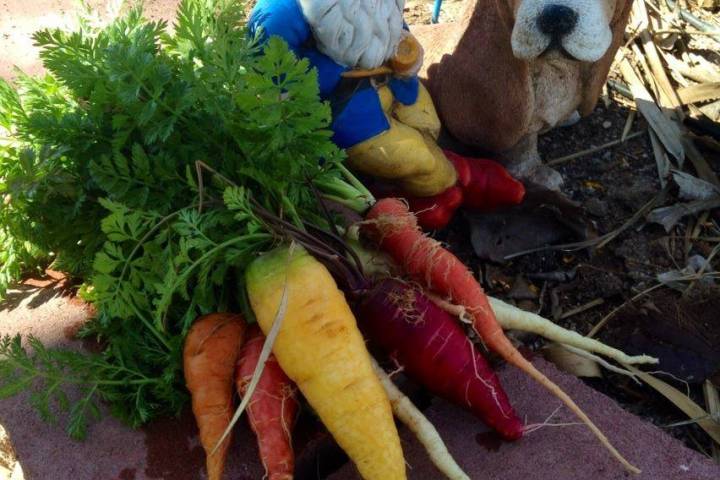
(596, 207)
(607, 124)
(522, 290)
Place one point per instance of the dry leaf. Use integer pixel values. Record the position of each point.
(661, 159)
(682, 401)
(667, 131)
(712, 400)
(570, 362)
(693, 188)
(668, 217)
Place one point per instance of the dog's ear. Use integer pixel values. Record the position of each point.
(481, 91)
(596, 76)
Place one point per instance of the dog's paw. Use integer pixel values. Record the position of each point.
(571, 120)
(546, 177)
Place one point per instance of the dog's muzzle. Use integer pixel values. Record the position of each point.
(578, 29)
(557, 22)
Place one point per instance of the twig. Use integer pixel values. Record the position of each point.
(607, 317)
(688, 32)
(621, 88)
(582, 308)
(704, 266)
(691, 277)
(592, 150)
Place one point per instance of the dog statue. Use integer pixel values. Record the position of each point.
(508, 70)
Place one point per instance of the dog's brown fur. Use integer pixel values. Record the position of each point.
(489, 99)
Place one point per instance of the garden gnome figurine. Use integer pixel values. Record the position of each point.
(367, 63)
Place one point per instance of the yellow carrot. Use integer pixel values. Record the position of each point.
(321, 349)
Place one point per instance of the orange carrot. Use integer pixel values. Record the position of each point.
(273, 409)
(391, 225)
(211, 349)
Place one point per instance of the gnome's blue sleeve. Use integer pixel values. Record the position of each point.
(405, 90)
(285, 19)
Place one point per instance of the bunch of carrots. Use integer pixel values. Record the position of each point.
(318, 348)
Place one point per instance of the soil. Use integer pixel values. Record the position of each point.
(420, 11)
(612, 185)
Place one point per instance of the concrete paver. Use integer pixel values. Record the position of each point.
(169, 448)
(20, 18)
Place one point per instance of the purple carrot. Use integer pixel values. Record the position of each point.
(435, 352)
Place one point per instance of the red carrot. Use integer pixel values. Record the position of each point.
(273, 409)
(395, 230)
(435, 352)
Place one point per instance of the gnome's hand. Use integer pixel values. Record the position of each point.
(408, 58)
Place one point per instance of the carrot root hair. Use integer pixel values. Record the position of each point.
(538, 376)
(394, 228)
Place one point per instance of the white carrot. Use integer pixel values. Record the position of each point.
(513, 318)
(421, 427)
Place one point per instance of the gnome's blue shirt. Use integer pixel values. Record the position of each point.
(357, 113)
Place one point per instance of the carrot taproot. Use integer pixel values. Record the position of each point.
(209, 355)
(513, 318)
(273, 409)
(434, 351)
(391, 225)
(321, 349)
(423, 429)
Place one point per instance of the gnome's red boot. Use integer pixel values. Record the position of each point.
(434, 213)
(483, 186)
(486, 184)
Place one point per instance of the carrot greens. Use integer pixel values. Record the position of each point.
(134, 164)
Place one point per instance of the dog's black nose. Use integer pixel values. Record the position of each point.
(557, 20)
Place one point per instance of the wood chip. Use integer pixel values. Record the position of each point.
(667, 96)
(699, 73)
(703, 92)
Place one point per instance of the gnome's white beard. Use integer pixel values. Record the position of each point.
(356, 33)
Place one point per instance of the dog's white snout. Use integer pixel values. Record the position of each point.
(580, 27)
